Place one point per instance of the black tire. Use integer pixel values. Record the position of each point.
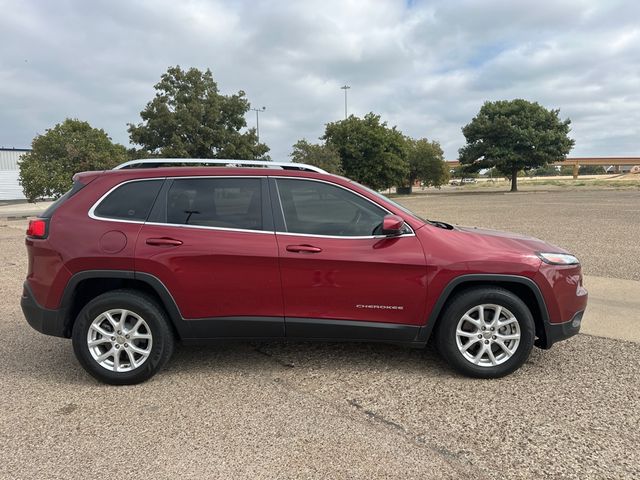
(466, 300)
(140, 304)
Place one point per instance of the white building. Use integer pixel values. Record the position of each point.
(10, 188)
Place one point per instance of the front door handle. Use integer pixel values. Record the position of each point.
(303, 249)
(164, 242)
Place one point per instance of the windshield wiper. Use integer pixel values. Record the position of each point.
(439, 224)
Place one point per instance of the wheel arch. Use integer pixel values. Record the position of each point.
(86, 285)
(525, 288)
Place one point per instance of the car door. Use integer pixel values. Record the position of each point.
(340, 277)
(211, 242)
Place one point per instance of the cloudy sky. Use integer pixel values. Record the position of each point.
(425, 66)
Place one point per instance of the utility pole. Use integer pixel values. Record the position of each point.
(258, 111)
(345, 88)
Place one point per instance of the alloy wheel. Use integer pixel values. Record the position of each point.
(119, 340)
(488, 335)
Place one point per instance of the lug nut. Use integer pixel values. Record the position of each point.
(492, 329)
(117, 346)
(113, 339)
(127, 337)
(126, 345)
(480, 336)
(486, 341)
(484, 328)
(119, 332)
(494, 337)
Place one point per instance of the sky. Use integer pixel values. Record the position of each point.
(425, 66)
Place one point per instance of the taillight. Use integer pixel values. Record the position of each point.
(38, 228)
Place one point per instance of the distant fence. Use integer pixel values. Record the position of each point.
(578, 161)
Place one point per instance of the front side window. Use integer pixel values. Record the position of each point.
(130, 201)
(318, 208)
(387, 199)
(216, 202)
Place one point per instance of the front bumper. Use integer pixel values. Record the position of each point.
(556, 332)
(49, 322)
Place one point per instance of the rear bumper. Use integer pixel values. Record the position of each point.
(49, 322)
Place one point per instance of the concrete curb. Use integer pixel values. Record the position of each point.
(23, 210)
(8, 218)
(613, 310)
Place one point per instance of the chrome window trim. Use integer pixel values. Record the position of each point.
(205, 227)
(410, 234)
(92, 214)
(362, 237)
(97, 203)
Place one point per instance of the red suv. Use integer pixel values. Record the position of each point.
(131, 260)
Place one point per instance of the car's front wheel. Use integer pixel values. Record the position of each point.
(486, 332)
(122, 337)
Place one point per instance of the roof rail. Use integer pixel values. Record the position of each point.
(159, 162)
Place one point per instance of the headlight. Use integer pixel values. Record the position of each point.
(558, 258)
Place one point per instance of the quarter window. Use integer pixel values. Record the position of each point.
(130, 201)
(216, 202)
(318, 208)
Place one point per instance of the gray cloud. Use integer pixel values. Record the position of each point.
(424, 66)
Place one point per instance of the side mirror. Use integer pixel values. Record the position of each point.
(392, 225)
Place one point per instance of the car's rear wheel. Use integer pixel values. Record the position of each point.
(486, 332)
(122, 337)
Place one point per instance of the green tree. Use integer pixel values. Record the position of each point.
(464, 171)
(512, 135)
(426, 163)
(323, 156)
(371, 153)
(189, 118)
(69, 147)
(139, 154)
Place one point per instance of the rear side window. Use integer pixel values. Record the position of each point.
(130, 201)
(77, 186)
(216, 202)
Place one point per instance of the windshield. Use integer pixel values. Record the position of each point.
(388, 200)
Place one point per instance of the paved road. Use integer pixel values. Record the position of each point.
(318, 410)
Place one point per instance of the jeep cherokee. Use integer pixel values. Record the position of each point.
(131, 260)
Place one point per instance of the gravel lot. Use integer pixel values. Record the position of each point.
(339, 410)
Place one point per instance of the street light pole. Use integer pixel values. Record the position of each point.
(345, 88)
(258, 110)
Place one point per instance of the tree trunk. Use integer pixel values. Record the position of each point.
(514, 179)
(408, 190)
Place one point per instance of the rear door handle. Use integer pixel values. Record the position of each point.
(164, 242)
(303, 249)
